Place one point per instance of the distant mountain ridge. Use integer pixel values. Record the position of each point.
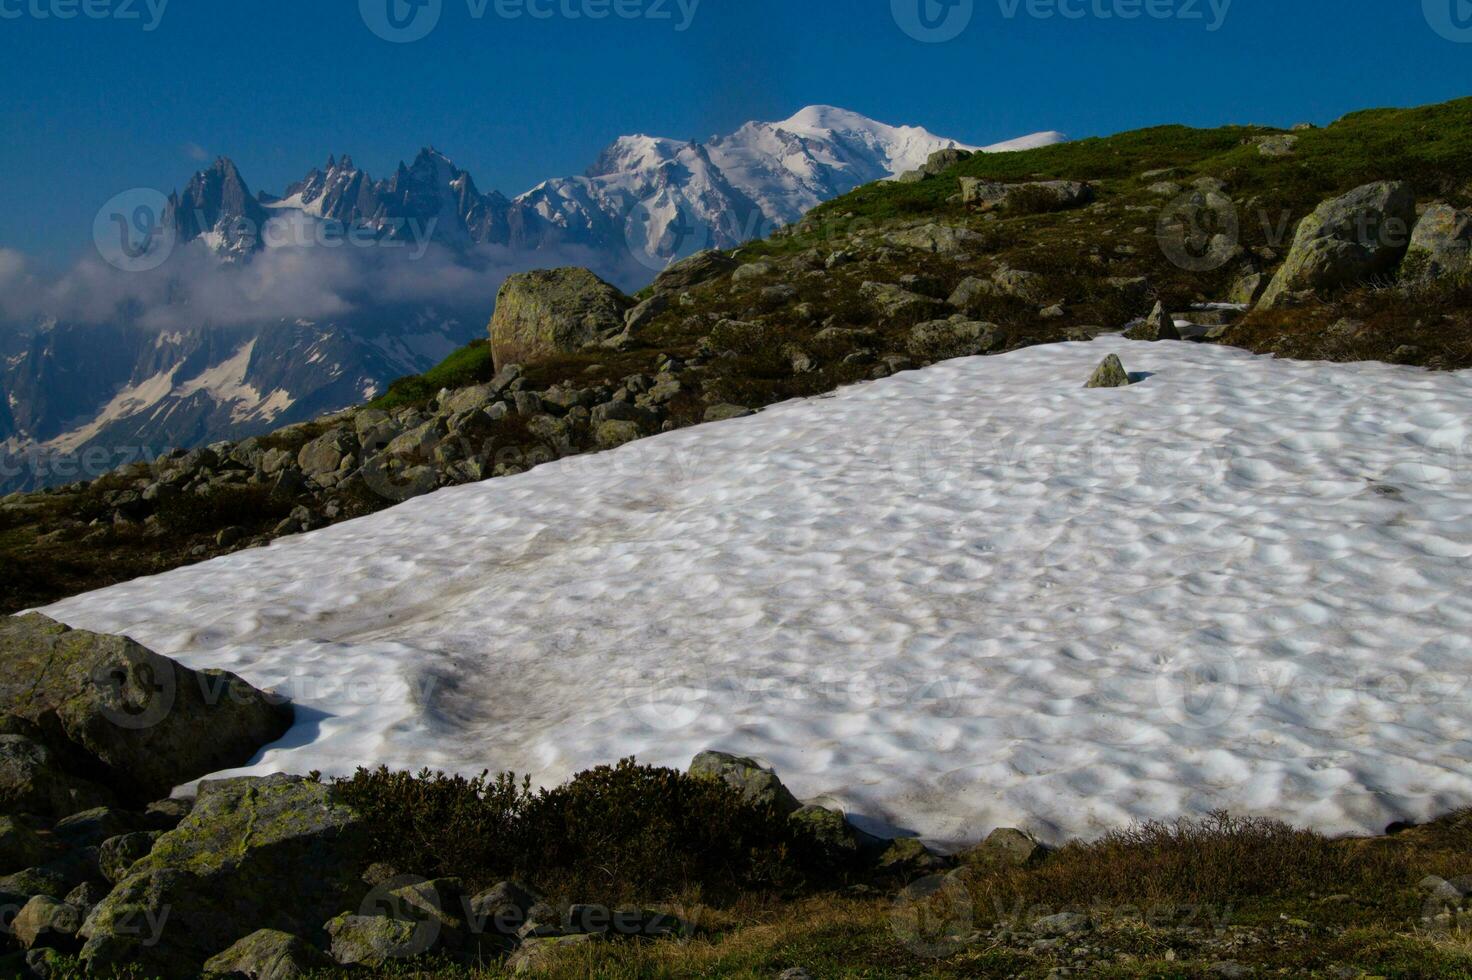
(647, 199)
(125, 386)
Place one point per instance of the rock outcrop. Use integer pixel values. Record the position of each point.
(548, 312)
(1441, 244)
(1056, 195)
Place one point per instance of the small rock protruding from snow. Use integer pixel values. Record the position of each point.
(1110, 374)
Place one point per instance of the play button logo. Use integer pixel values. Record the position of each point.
(1452, 19)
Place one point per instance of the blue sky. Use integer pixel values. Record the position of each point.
(97, 104)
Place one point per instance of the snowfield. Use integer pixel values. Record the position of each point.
(972, 596)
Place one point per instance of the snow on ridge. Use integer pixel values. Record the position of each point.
(972, 596)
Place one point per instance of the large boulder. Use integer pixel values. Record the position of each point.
(1346, 240)
(1441, 245)
(939, 340)
(148, 722)
(937, 238)
(547, 312)
(280, 852)
(698, 268)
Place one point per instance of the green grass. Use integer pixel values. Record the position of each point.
(470, 365)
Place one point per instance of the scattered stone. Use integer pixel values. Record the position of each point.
(936, 238)
(534, 953)
(1007, 847)
(1063, 924)
(908, 857)
(1058, 194)
(698, 268)
(1109, 374)
(46, 921)
(756, 783)
(942, 339)
(372, 940)
(828, 826)
(1159, 325)
(269, 954)
(1278, 145)
(751, 271)
(725, 411)
(642, 315)
(895, 303)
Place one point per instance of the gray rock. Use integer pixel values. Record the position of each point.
(1058, 194)
(1248, 289)
(1346, 240)
(21, 847)
(941, 339)
(86, 896)
(907, 857)
(547, 312)
(118, 854)
(1006, 847)
(1109, 374)
(269, 954)
(280, 852)
(725, 411)
(476, 398)
(698, 268)
(1063, 924)
(419, 442)
(756, 783)
(1278, 145)
(828, 826)
(893, 303)
(48, 922)
(150, 722)
(1159, 325)
(534, 953)
(502, 908)
(325, 453)
(642, 315)
(1441, 245)
(751, 271)
(936, 238)
(373, 941)
(616, 432)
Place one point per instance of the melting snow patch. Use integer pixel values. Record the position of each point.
(965, 597)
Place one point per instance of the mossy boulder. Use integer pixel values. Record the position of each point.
(148, 722)
(1006, 847)
(938, 340)
(49, 922)
(117, 855)
(280, 852)
(1109, 374)
(1441, 245)
(1346, 240)
(34, 778)
(22, 847)
(1159, 325)
(269, 954)
(374, 940)
(756, 783)
(698, 268)
(548, 312)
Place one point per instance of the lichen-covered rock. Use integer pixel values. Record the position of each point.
(269, 954)
(1159, 325)
(936, 238)
(1006, 847)
(33, 779)
(908, 857)
(1109, 374)
(894, 303)
(829, 827)
(1441, 245)
(942, 339)
(1056, 194)
(46, 921)
(1248, 289)
(373, 940)
(547, 312)
(698, 268)
(325, 453)
(642, 315)
(533, 954)
(22, 847)
(150, 722)
(279, 852)
(118, 854)
(1346, 240)
(756, 783)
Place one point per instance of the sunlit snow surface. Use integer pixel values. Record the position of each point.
(964, 597)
